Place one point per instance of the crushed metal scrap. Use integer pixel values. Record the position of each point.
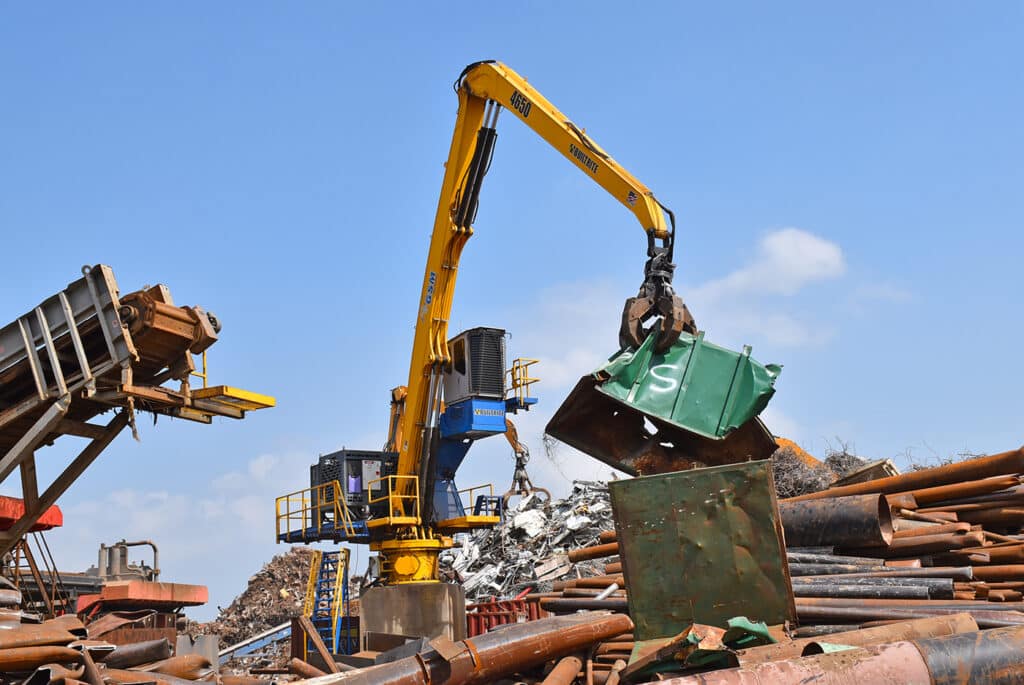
(529, 549)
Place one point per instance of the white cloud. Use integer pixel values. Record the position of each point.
(217, 531)
(787, 260)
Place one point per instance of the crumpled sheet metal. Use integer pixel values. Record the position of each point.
(702, 546)
(528, 548)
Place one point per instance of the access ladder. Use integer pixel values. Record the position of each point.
(327, 602)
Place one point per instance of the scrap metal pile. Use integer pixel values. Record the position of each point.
(273, 595)
(529, 549)
(64, 651)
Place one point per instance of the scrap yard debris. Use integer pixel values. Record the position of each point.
(273, 596)
(530, 547)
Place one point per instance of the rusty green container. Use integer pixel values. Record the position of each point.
(694, 405)
(696, 385)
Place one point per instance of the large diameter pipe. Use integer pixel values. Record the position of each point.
(974, 469)
(988, 657)
(126, 656)
(894, 632)
(858, 521)
(897, 663)
(492, 656)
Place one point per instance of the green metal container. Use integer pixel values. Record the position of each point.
(696, 385)
(696, 405)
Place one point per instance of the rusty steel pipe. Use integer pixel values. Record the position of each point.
(960, 573)
(901, 500)
(999, 572)
(304, 669)
(186, 666)
(608, 536)
(595, 552)
(974, 469)
(31, 635)
(865, 614)
(932, 529)
(491, 656)
(924, 544)
(565, 672)
(126, 656)
(858, 521)
(893, 632)
(832, 569)
(570, 604)
(987, 657)
(897, 663)
(31, 658)
(590, 581)
(956, 491)
(837, 589)
(808, 558)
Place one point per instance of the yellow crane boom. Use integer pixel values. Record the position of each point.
(410, 551)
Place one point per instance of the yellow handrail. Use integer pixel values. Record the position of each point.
(467, 501)
(296, 511)
(520, 379)
(397, 490)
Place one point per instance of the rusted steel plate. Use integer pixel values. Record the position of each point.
(702, 546)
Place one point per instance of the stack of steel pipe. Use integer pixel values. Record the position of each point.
(60, 650)
(935, 536)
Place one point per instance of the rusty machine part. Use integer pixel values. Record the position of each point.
(854, 521)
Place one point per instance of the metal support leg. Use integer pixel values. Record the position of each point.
(10, 538)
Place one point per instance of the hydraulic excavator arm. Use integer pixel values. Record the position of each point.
(484, 89)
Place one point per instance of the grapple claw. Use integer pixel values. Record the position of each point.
(656, 299)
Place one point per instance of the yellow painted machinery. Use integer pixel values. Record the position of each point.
(402, 500)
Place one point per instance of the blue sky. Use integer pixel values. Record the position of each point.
(847, 181)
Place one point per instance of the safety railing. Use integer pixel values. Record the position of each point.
(520, 379)
(317, 513)
(400, 495)
(479, 500)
